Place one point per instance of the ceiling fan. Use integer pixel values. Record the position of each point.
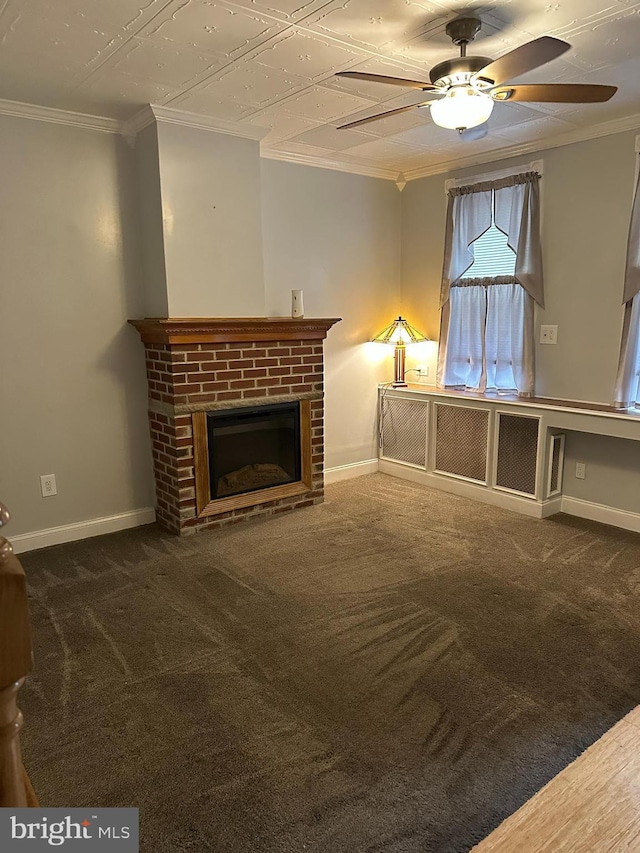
(468, 86)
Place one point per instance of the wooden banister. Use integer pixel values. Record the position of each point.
(15, 665)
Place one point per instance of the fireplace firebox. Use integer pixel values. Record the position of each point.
(250, 455)
(253, 448)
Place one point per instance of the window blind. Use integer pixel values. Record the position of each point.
(492, 256)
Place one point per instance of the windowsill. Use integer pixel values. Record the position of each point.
(546, 402)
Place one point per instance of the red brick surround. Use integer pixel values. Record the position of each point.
(199, 365)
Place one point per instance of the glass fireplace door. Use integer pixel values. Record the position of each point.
(253, 448)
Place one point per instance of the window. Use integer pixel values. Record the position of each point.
(486, 335)
(492, 255)
(635, 324)
(487, 318)
(627, 392)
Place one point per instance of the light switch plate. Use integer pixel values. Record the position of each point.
(548, 334)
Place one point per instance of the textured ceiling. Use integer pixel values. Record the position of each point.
(271, 64)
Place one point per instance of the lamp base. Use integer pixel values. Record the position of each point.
(398, 366)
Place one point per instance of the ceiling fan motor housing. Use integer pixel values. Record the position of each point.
(458, 70)
(463, 30)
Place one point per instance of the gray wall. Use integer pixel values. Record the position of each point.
(71, 268)
(586, 203)
(149, 195)
(337, 236)
(587, 190)
(72, 381)
(612, 472)
(212, 223)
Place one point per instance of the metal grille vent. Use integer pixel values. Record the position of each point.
(404, 430)
(517, 453)
(555, 472)
(461, 441)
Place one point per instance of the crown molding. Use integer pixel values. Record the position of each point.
(328, 163)
(152, 113)
(582, 134)
(55, 116)
(132, 126)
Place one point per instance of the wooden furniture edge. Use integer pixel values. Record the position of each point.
(16, 790)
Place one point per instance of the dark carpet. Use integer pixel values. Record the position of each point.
(396, 670)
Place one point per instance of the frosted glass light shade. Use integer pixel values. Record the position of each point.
(462, 107)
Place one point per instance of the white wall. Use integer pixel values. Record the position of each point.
(212, 223)
(337, 236)
(72, 382)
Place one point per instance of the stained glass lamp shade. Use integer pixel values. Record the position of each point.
(399, 333)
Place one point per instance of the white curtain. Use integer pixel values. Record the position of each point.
(465, 365)
(627, 391)
(628, 382)
(490, 328)
(517, 214)
(468, 217)
(508, 338)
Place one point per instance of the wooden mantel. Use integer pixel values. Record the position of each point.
(202, 330)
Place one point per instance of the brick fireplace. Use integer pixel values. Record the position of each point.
(197, 367)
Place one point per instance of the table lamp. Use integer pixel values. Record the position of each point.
(399, 333)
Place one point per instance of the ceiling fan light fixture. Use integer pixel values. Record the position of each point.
(461, 108)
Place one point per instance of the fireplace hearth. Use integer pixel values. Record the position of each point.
(237, 417)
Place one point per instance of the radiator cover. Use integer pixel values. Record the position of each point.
(517, 453)
(461, 441)
(404, 430)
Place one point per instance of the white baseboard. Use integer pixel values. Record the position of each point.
(348, 472)
(559, 503)
(572, 506)
(599, 512)
(81, 530)
(551, 506)
(505, 500)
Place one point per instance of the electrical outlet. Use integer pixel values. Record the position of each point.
(548, 334)
(423, 373)
(48, 485)
(581, 470)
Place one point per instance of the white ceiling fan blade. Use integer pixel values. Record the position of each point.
(378, 116)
